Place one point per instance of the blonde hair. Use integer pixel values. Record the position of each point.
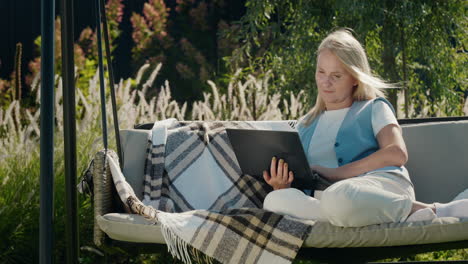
(351, 53)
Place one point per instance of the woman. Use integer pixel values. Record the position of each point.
(351, 137)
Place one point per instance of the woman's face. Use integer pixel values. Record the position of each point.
(334, 82)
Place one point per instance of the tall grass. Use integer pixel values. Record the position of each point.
(19, 147)
(245, 99)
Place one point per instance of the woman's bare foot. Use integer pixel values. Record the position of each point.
(420, 205)
(422, 211)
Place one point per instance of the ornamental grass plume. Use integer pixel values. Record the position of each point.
(19, 128)
(248, 100)
(19, 159)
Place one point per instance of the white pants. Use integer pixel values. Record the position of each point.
(359, 201)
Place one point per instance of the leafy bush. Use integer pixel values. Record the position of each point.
(185, 36)
(419, 44)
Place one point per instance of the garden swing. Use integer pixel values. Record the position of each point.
(428, 141)
(438, 168)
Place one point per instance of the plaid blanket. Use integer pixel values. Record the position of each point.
(202, 199)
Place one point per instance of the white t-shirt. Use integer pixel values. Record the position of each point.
(322, 145)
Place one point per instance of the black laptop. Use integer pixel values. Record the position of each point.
(255, 148)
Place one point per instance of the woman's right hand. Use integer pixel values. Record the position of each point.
(280, 177)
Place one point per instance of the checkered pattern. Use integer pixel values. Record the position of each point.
(170, 164)
(184, 156)
(257, 233)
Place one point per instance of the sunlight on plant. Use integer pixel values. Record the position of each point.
(20, 133)
(246, 98)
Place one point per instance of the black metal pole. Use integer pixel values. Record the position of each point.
(111, 81)
(47, 132)
(68, 77)
(101, 74)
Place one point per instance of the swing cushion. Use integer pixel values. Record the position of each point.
(135, 228)
(437, 167)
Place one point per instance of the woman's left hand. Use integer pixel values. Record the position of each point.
(331, 174)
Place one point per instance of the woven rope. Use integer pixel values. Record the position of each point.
(103, 183)
(103, 196)
(137, 207)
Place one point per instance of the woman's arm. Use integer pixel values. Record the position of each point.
(392, 152)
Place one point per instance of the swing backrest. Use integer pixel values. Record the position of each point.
(438, 158)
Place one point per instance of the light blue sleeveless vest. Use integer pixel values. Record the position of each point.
(355, 139)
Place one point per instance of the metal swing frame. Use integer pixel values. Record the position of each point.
(47, 122)
(356, 255)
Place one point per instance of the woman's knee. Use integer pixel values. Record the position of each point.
(274, 200)
(293, 202)
(339, 194)
(277, 201)
(338, 204)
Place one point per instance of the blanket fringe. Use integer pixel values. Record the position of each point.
(199, 257)
(182, 250)
(176, 246)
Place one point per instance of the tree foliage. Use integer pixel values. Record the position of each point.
(419, 44)
(184, 37)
